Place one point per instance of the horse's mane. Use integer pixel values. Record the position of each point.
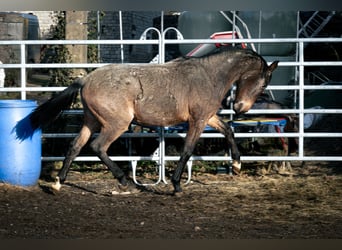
(226, 52)
(223, 51)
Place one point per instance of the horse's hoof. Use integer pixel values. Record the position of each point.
(57, 185)
(236, 167)
(129, 188)
(176, 187)
(178, 194)
(123, 181)
(177, 190)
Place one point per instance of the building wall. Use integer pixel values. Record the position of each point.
(134, 24)
(45, 22)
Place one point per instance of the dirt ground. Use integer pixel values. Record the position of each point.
(278, 203)
(302, 202)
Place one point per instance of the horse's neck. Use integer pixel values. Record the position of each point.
(226, 68)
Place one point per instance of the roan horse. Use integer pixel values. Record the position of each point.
(183, 90)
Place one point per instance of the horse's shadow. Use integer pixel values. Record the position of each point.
(140, 188)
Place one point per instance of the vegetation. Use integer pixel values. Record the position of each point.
(60, 53)
(57, 53)
(93, 52)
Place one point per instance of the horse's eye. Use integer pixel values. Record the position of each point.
(262, 83)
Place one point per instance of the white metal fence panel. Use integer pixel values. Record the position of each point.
(161, 157)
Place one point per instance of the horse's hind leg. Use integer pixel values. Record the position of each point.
(100, 146)
(74, 150)
(225, 129)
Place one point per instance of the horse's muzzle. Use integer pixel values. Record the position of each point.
(238, 108)
(241, 107)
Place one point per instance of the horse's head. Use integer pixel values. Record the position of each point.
(250, 85)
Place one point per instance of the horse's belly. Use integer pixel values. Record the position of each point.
(159, 111)
(154, 120)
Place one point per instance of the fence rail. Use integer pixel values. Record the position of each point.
(300, 64)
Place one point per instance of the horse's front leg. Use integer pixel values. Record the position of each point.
(217, 123)
(194, 132)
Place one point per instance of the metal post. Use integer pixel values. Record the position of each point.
(23, 70)
(297, 59)
(162, 40)
(259, 32)
(162, 60)
(301, 100)
(121, 37)
(162, 22)
(162, 154)
(234, 26)
(98, 35)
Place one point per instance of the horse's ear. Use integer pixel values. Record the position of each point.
(272, 67)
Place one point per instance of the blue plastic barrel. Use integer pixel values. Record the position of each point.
(20, 146)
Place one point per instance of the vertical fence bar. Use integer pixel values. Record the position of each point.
(23, 71)
(121, 37)
(301, 100)
(162, 40)
(161, 61)
(162, 154)
(98, 22)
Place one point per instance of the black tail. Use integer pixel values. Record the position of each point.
(51, 109)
